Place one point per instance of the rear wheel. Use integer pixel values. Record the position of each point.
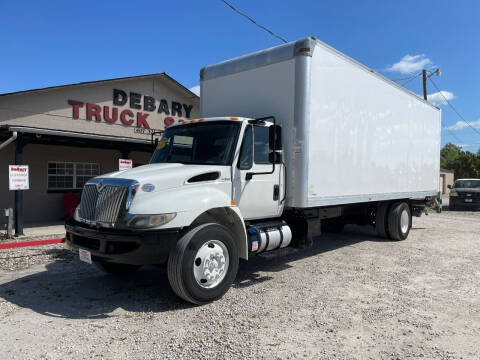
(117, 269)
(399, 221)
(204, 263)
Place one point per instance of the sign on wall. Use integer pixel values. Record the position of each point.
(18, 177)
(124, 164)
(132, 109)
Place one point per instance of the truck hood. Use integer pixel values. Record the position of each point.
(168, 176)
(470, 190)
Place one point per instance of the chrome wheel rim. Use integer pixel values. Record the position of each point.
(210, 264)
(404, 221)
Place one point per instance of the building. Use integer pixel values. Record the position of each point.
(447, 177)
(69, 134)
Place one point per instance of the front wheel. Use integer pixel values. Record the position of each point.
(204, 263)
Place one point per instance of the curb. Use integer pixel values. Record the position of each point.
(11, 245)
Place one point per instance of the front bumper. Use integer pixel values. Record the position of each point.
(122, 246)
(460, 202)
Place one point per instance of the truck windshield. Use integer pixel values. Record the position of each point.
(199, 143)
(466, 184)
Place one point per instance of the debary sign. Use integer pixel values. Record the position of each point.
(140, 108)
(18, 177)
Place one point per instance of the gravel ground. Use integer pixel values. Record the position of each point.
(349, 297)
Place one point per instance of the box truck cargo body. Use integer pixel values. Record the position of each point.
(349, 134)
(294, 140)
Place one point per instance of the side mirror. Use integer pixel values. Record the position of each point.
(275, 137)
(449, 186)
(275, 157)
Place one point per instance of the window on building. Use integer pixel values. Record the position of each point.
(68, 175)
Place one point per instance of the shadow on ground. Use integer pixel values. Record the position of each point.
(74, 290)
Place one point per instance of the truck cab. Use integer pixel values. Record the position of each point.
(209, 175)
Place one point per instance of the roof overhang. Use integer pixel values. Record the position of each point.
(73, 134)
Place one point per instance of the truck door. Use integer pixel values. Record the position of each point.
(260, 196)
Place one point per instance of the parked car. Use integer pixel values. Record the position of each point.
(465, 193)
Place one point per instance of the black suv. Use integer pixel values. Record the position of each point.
(465, 193)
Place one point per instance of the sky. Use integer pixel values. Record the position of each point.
(63, 42)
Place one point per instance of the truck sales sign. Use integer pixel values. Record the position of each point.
(18, 177)
(131, 109)
(124, 164)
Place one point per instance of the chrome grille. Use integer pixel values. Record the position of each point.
(88, 202)
(103, 205)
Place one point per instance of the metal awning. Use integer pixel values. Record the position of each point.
(73, 134)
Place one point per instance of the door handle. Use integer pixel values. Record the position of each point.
(276, 192)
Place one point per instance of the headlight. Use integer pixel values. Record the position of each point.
(453, 193)
(150, 221)
(76, 214)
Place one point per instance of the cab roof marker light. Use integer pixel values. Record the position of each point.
(234, 118)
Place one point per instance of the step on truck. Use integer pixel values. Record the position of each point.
(294, 140)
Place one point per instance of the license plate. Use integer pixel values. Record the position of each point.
(85, 255)
(468, 200)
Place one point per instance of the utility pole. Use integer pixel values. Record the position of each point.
(424, 75)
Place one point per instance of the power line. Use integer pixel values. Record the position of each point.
(407, 78)
(453, 108)
(454, 136)
(410, 79)
(253, 21)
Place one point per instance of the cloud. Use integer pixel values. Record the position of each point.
(462, 145)
(438, 99)
(410, 64)
(459, 125)
(195, 90)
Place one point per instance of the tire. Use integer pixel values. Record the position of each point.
(381, 220)
(399, 221)
(116, 269)
(195, 249)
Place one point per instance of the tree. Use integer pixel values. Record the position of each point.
(465, 163)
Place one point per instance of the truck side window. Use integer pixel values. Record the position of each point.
(245, 160)
(261, 136)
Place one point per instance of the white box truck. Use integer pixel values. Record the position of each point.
(293, 139)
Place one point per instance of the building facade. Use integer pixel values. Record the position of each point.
(447, 177)
(69, 134)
